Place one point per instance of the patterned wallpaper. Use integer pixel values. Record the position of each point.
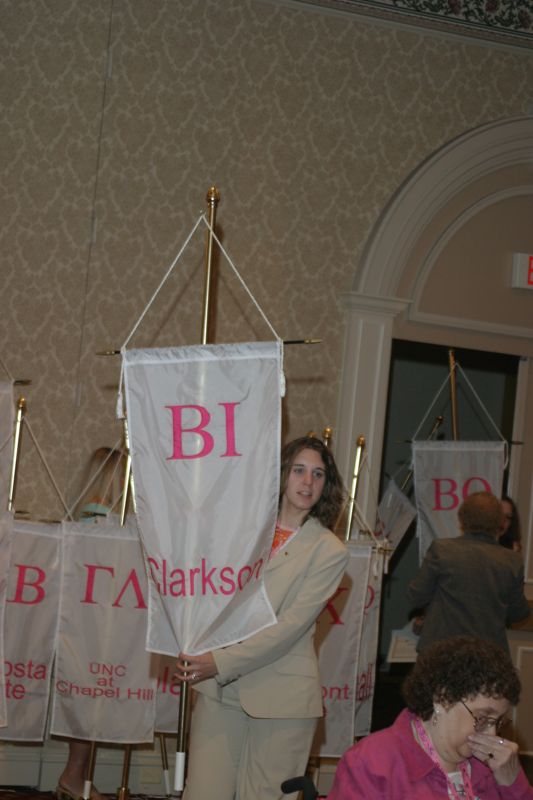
(117, 115)
(498, 20)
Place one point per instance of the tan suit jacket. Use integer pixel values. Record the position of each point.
(275, 672)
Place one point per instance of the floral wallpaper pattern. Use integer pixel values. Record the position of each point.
(483, 18)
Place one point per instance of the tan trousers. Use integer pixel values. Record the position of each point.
(233, 756)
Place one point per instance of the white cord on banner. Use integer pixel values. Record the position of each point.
(9, 375)
(7, 441)
(478, 398)
(43, 459)
(166, 275)
(498, 431)
(92, 479)
(243, 284)
(120, 403)
(415, 434)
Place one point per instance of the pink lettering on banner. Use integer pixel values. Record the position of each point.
(28, 669)
(25, 670)
(167, 683)
(140, 694)
(370, 597)
(330, 607)
(365, 683)
(132, 582)
(111, 670)
(64, 687)
(447, 488)
(92, 570)
(335, 693)
(29, 578)
(203, 580)
(199, 430)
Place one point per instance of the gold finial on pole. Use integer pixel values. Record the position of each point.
(453, 393)
(213, 199)
(359, 448)
(19, 419)
(327, 433)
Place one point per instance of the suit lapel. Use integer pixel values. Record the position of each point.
(306, 536)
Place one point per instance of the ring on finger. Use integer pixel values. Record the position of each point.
(501, 741)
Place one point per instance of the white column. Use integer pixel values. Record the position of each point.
(363, 391)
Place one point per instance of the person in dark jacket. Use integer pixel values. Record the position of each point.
(470, 585)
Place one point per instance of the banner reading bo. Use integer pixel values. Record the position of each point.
(445, 474)
(205, 430)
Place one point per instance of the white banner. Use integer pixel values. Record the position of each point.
(6, 540)
(338, 637)
(103, 689)
(445, 474)
(205, 429)
(395, 514)
(30, 627)
(168, 695)
(366, 672)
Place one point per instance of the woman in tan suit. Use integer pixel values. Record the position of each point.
(259, 700)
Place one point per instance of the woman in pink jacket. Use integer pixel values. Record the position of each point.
(449, 742)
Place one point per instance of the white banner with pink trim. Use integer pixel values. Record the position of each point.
(338, 637)
(204, 425)
(368, 648)
(445, 474)
(30, 624)
(104, 684)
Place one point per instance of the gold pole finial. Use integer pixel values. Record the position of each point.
(19, 419)
(327, 433)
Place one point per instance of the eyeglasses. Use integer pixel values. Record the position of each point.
(481, 722)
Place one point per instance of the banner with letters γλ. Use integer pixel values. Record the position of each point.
(338, 637)
(445, 474)
(205, 431)
(30, 624)
(104, 688)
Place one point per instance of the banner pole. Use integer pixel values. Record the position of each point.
(19, 419)
(123, 791)
(359, 448)
(164, 763)
(213, 199)
(128, 490)
(88, 782)
(453, 393)
(436, 425)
